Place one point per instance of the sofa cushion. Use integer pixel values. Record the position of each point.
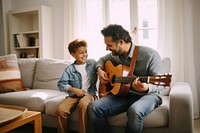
(27, 68)
(159, 117)
(48, 72)
(52, 104)
(32, 99)
(10, 77)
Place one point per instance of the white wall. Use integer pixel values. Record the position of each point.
(2, 50)
(4, 40)
(196, 34)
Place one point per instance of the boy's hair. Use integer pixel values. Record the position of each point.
(117, 32)
(72, 47)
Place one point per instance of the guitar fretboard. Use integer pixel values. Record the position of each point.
(126, 80)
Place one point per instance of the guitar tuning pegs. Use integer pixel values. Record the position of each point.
(168, 74)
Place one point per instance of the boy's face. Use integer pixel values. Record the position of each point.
(80, 55)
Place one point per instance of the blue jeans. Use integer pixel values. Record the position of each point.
(137, 108)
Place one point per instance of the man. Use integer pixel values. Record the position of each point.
(142, 97)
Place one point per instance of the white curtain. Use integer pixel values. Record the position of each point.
(86, 23)
(74, 17)
(176, 41)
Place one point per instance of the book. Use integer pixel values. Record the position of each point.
(22, 40)
(19, 40)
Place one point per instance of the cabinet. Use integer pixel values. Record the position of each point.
(31, 32)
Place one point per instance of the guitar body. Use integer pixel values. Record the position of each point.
(119, 83)
(114, 88)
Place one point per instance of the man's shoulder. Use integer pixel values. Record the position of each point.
(148, 53)
(147, 50)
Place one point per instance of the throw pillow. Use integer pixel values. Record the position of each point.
(10, 77)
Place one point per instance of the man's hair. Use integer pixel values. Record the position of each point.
(74, 45)
(117, 32)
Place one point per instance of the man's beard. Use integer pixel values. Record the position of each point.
(116, 53)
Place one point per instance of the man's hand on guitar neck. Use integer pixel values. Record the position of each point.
(103, 77)
(139, 86)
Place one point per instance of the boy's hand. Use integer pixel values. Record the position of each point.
(78, 92)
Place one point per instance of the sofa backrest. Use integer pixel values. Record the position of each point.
(27, 69)
(41, 73)
(48, 72)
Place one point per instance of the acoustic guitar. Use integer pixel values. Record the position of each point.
(120, 85)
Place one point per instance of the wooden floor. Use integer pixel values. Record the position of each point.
(28, 128)
(197, 126)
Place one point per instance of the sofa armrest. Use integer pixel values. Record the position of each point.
(181, 108)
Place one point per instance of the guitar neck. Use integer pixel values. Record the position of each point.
(126, 80)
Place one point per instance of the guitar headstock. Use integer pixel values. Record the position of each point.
(161, 80)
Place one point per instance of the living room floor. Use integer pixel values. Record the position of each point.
(197, 126)
(28, 128)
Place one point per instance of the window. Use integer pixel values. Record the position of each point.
(147, 23)
(93, 15)
(119, 13)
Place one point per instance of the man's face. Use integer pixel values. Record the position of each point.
(112, 46)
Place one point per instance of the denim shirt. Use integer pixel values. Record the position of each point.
(72, 78)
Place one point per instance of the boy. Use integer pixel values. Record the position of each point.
(79, 81)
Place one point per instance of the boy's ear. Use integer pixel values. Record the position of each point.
(72, 54)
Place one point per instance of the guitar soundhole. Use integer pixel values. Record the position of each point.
(113, 79)
(108, 86)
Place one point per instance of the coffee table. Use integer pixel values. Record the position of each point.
(27, 117)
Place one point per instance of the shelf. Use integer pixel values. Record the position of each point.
(27, 32)
(31, 47)
(31, 32)
(26, 39)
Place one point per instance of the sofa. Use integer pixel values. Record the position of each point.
(40, 77)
